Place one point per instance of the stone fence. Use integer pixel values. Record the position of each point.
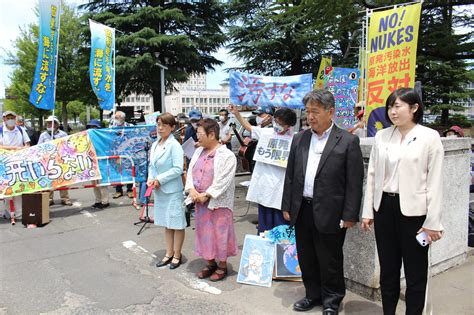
(360, 253)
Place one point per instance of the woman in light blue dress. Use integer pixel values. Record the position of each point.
(164, 174)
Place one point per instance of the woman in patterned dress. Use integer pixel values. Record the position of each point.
(164, 174)
(210, 183)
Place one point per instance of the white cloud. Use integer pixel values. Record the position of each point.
(13, 15)
(19, 13)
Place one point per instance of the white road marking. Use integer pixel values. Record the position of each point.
(88, 214)
(187, 277)
(129, 244)
(198, 285)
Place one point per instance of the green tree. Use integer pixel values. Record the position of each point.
(444, 46)
(94, 114)
(180, 35)
(71, 71)
(74, 109)
(442, 54)
(24, 61)
(288, 37)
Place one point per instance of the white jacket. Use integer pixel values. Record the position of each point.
(223, 187)
(420, 175)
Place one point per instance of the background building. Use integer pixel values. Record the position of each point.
(186, 96)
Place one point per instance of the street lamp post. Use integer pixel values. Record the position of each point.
(162, 82)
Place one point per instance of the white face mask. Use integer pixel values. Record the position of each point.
(277, 127)
(50, 129)
(119, 122)
(222, 118)
(259, 120)
(10, 122)
(195, 125)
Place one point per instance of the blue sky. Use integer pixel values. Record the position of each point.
(19, 13)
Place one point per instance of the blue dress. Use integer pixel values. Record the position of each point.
(166, 165)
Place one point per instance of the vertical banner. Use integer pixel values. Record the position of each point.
(343, 83)
(102, 64)
(325, 62)
(393, 37)
(254, 90)
(43, 89)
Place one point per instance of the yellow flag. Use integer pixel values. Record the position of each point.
(325, 62)
(393, 37)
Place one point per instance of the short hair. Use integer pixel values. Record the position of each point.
(167, 119)
(322, 97)
(225, 111)
(286, 115)
(409, 96)
(120, 114)
(20, 119)
(210, 125)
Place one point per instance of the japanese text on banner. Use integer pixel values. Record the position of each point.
(57, 163)
(102, 64)
(43, 89)
(343, 83)
(273, 149)
(393, 36)
(254, 90)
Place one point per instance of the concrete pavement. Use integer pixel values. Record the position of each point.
(88, 261)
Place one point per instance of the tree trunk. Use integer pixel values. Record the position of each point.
(64, 115)
(157, 106)
(444, 117)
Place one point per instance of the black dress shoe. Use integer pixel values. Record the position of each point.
(305, 304)
(175, 265)
(164, 262)
(330, 311)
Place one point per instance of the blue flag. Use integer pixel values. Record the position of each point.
(102, 65)
(254, 90)
(43, 90)
(343, 83)
(133, 141)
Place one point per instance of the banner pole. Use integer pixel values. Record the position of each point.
(393, 5)
(57, 53)
(115, 40)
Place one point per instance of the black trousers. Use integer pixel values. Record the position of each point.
(321, 259)
(395, 236)
(118, 188)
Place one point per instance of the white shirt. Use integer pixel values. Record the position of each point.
(16, 137)
(266, 184)
(46, 136)
(394, 150)
(224, 129)
(316, 148)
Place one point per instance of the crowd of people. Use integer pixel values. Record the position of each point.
(319, 192)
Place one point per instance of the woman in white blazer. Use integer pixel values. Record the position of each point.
(403, 198)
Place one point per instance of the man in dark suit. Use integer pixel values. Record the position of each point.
(322, 198)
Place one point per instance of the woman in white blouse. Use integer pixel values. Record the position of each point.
(210, 183)
(403, 198)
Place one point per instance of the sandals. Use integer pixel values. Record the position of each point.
(219, 274)
(207, 271)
